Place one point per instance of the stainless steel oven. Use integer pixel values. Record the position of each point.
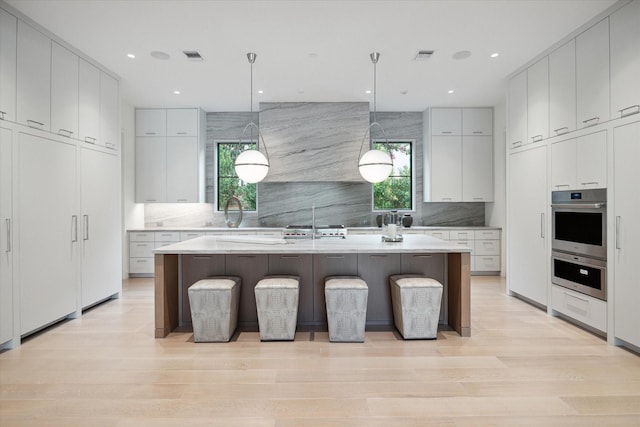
(579, 222)
(582, 274)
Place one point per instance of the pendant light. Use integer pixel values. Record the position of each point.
(374, 165)
(251, 165)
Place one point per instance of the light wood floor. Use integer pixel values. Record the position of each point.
(519, 368)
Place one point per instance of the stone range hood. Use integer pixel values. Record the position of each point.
(313, 141)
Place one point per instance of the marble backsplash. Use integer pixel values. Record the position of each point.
(348, 203)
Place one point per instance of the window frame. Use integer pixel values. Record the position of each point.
(412, 143)
(217, 143)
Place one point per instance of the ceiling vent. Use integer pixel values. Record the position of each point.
(423, 55)
(193, 55)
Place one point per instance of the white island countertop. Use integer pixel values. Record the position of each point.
(413, 243)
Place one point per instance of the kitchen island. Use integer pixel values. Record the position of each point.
(179, 265)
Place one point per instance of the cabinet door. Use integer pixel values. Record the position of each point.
(182, 170)
(563, 165)
(64, 91)
(477, 169)
(34, 77)
(297, 265)
(151, 122)
(446, 121)
(538, 100)
(375, 269)
(325, 265)
(47, 266)
(592, 75)
(446, 169)
(101, 243)
(151, 171)
(89, 96)
(6, 241)
(109, 112)
(8, 34)
(477, 121)
(625, 60)
(527, 272)
(517, 106)
(562, 89)
(591, 160)
(182, 122)
(627, 241)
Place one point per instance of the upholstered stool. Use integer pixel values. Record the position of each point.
(277, 306)
(214, 308)
(346, 299)
(416, 305)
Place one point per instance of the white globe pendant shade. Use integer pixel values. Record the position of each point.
(375, 166)
(251, 166)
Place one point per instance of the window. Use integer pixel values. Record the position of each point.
(396, 192)
(228, 182)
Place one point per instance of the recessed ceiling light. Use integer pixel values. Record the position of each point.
(261, 91)
(131, 55)
(176, 92)
(160, 55)
(301, 91)
(495, 55)
(404, 91)
(367, 91)
(313, 55)
(450, 91)
(463, 54)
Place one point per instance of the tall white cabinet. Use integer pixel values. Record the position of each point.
(626, 149)
(6, 233)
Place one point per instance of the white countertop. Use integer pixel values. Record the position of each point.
(204, 229)
(413, 243)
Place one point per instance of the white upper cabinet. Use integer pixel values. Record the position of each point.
(538, 101)
(625, 60)
(477, 169)
(592, 75)
(8, 34)
(109, 112)
(89, 96)
(446, 169)
(151, 169)
(182, 169)
(477, 121)
(64, 91)
(591, 160)
(446, 121)
(563, 165)
(33, 77)
(182, 122)
(517, 103)
(562, 89)
(151, 122)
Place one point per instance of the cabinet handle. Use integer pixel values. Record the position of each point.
(557, 131)
(181, 200)
(74, 228)
(636, 111)
(150, 200)
(290, 256)
(516, 144)
(149, 133)
(477, 132)
(335, 257)
(8, 224)
(246, 256)
(89, 140)
(536, 138)
(85, 227)
(2, 113)
(377, 256)
(589, 183)
(618, 220)
(65, 132)
(562, 185)
(181, 133)
(478, 198)
(142, 260)
(33, 122)
(446, 131)
(446, 198)
(423, 256)
(542, 225)
(110, 145)
(577, 297)
(595, 121)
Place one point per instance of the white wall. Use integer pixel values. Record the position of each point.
(496, 213)
(132, 213)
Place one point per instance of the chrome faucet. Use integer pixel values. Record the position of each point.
(313, 221)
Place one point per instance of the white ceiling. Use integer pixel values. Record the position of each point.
(311, 50)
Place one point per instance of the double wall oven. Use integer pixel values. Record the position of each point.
(579, 242)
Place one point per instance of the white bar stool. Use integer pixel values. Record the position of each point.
(214, 308)
(277, 306)
(416, 305)
(346, 300)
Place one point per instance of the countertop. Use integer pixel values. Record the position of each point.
(352, 244)
(419, 227)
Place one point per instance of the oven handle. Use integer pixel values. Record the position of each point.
(578, 205)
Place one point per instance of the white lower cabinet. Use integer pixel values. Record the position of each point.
(49, 230)
(6, 241)
(627, 233)
(527, 271)
(583, 308)
(141, 245)
(100, 205)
